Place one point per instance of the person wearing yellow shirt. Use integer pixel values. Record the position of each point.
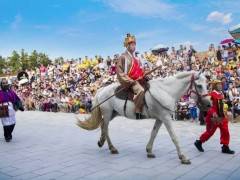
(63, 86)
(95, 61)
(91, 62)
(66, 67)
(86, 62)
(231, 64)
(77, 104)
(153, 58)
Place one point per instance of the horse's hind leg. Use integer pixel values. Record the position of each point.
(107, 116)
(103, 137)
(154, 132)
(112, 149)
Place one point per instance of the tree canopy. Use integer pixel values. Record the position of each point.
(18, 61)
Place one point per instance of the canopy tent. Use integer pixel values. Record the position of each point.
(235, 31)
(159, 49)
(237, 41)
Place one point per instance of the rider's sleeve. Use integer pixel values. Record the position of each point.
(123, 78)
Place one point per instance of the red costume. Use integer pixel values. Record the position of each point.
(216, 118)
(135, 72)
(216, 111)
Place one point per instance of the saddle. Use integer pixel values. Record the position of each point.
(127, 94)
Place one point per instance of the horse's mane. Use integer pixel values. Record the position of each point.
(183, 74)
(167, 81)
(172, 79)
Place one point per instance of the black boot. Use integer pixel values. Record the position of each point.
(202, 123)
(11, 130)
(139, 116)
(8, 139)
(7, 133)
(198, 145)
(226, 150)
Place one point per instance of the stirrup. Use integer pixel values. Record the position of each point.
(139, 116)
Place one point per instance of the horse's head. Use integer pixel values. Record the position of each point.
(198, 90)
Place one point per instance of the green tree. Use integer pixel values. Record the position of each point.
(2, 64)
(59, 60)
(24, 60)
(43, 59)
(33, 60)
(14, 62)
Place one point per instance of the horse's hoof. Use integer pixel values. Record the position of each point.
(151, 155)
(185, 161)
(100, 144)
(114, 151)
(148, 150)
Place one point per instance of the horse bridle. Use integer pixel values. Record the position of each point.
(191, 90)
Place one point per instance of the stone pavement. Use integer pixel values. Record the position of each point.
(51, 146)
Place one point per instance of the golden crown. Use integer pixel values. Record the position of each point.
(129, 39)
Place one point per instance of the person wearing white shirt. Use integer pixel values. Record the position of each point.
(233, 92)
(159, 61)
(193, 109)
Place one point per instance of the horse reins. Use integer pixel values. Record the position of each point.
(189, 92)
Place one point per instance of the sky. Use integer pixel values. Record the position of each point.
(75, 28)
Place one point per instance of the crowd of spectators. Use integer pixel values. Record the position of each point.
(71, 86)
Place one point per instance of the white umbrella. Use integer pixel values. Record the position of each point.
(23, 81)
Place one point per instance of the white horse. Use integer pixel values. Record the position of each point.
(160, 100)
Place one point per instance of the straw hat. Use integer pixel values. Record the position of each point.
(215, 81)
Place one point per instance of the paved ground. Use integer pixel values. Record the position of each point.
(51, 146)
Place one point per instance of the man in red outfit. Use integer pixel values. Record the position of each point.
(216, 118)
(129, 70)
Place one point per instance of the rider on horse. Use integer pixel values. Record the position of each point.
(129, 70)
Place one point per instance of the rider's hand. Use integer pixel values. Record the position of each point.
(132, 82)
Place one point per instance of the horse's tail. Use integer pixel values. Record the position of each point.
(95, 119)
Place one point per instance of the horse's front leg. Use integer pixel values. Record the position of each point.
(102, 137)
(154, 132)
(182, 157)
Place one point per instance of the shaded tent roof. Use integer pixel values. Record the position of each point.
(235, 31)
(160, 48)
(237, 41)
